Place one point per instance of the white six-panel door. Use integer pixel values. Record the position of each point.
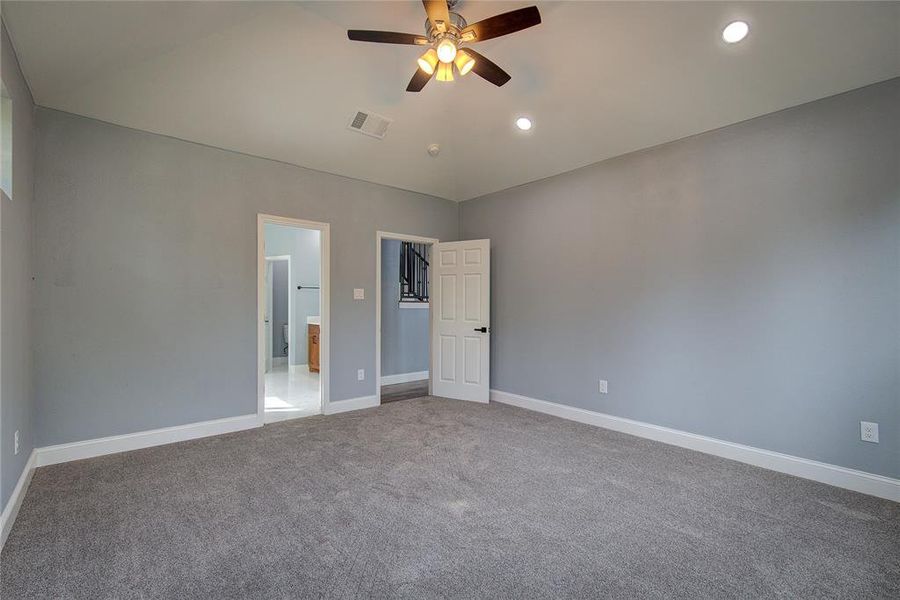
(461, 300)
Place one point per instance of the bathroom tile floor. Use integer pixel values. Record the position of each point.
(291, 392)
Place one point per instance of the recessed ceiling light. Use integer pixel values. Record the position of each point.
(523, 123)
(735, 32)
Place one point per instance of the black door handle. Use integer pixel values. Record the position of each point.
(482, 329)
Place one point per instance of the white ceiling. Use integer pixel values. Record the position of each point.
(281, 80)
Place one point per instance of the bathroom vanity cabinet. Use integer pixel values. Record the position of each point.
(313, 347)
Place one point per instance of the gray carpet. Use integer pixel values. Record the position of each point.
(434, 498)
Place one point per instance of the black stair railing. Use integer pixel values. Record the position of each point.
(413, 272)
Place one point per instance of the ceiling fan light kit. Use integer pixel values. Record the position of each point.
(464, 62)
(446, 50)
(445, 72)
(428, 61)
(446, 32)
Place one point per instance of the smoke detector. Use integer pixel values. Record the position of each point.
(370, 124)
(434, 150)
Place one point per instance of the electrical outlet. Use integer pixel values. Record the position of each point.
(603, 386)
(359, 294)
(361, 374)
(16, 442)
(868, 432)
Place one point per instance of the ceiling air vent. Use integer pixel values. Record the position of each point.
(369, 124)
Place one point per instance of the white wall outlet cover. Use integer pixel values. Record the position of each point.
(868, 431)
(603, 386)
(361, 374)
(16, 442)
(359, 294)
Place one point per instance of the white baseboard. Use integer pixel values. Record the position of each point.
(851, 479)
(403, 377)
(339, 406)
(51, 455)
(8, 517)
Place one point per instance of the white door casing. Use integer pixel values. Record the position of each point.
(324, 307)
(461, 301)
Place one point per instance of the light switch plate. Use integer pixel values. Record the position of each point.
(359, 294)
(360, 374)
(603, 386)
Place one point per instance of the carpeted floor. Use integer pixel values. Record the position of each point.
(434, 498)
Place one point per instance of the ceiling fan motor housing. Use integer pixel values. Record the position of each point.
(457, 24)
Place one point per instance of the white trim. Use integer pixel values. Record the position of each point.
(51, 455)
(851, 479)
(404, 237)
(386, 235)
(340, 406)
(11, 510)
(403, 377)
(324, 306)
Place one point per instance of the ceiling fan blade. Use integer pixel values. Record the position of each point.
(438, 14)
(487, 69)
(504, 24)
(387, 37)
(418, 81)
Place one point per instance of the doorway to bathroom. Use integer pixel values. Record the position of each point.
(293, 323)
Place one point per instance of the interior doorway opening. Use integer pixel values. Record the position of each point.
(293, 318)
(403, 320)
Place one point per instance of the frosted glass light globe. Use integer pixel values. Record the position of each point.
(446, 51)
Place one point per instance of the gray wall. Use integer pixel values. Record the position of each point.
(280, 311)
(303, 247)
(404, 331)
(16, 289)
(146, 263)
(742, 284)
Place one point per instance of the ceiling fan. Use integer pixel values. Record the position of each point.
(446, 33)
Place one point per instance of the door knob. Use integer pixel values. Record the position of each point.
(482, 329)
